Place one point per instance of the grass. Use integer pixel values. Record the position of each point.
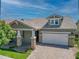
(77, 55)
(77, 46)
(15, 55)
(77, 42)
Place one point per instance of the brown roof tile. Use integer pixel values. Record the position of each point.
(67, 23)
(36, 23)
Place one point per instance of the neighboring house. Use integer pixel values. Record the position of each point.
(77, 31)
(51, 30)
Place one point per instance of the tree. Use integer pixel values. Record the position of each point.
(6, 33)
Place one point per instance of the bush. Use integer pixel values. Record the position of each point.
(76, 39)
(6, 33)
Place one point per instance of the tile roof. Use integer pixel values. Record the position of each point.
(36, 23)
(67, 23)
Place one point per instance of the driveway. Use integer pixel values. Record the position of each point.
(52, 52)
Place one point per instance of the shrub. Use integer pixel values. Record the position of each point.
(6, 33)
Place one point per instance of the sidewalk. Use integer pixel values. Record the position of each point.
(4, 57)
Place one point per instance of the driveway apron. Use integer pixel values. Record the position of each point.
(52, 52)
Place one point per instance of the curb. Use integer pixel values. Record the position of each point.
(30, 55)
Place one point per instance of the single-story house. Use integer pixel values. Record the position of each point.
(77, 31)
(52, 30)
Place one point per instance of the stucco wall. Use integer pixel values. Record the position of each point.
(58, 30)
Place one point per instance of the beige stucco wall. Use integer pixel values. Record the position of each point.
(58, 30)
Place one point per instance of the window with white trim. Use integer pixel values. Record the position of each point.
(54, 22)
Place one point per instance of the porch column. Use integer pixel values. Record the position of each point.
(19, 41)
(33, 40)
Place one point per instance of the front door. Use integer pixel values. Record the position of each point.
(26, 37)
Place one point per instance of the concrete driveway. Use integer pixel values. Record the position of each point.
(52, 52)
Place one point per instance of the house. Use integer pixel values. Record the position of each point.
(52, 30)
(77, 31)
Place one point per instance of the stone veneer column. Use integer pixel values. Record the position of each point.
(19, 41)
(33, 40)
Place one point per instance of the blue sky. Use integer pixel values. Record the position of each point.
(28, 9)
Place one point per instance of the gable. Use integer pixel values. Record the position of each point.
(66, 23)
(19, 25)
(36, 23)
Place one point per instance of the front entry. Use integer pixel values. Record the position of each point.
(37, 36)
(26, 37)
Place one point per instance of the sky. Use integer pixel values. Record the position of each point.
(29, 9)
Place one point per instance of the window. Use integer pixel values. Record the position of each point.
(54, 22)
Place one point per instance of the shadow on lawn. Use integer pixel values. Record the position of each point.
(11, 50)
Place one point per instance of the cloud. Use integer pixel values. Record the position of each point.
(14, 2)
(70, 7)
(25, 4)
(40, 8)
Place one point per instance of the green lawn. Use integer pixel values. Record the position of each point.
(77, 46)
(77, 55)
(15, 55)
(77, 42)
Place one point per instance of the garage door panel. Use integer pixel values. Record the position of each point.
(61, 39)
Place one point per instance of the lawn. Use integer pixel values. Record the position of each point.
(77, 46)
(15, 55)
(77, 42)
(77, 55)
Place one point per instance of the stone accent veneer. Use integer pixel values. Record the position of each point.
(33, 43)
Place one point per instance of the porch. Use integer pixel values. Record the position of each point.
(25, 36)
(23, 41)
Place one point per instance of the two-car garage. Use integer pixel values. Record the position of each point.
(59, 38)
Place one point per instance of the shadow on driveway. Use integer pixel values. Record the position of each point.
(54, 45)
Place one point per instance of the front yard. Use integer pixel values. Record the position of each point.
(77, 42)
(15, 55)
(77, 46)
(77, 56)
